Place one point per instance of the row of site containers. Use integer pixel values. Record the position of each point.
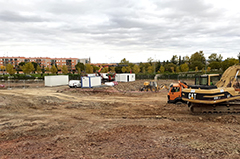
(123, 77)
(89, 81)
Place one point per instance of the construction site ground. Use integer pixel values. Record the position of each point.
(110, 122)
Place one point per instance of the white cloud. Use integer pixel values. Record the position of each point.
(108, 31)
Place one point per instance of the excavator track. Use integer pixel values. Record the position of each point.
(227, 107)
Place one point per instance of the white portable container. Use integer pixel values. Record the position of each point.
(132, 77)
(125, 77)
(89, 82)
(91, 75)
(117, 77)
(57, 80)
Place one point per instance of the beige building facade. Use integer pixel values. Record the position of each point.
(44, 61)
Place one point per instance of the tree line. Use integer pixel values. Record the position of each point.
(196, 62)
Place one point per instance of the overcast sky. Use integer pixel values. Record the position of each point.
(110, 30)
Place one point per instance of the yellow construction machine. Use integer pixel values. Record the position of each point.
(152, 85)
(175, 89)
(222, 96)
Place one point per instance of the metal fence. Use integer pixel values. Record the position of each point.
(166, 76)
(21, 83)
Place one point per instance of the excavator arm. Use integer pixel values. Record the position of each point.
(183, 84)
(229, 77)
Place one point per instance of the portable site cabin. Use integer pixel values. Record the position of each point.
(89, 82)
(125, 77)
(91, 75)
(57, 80)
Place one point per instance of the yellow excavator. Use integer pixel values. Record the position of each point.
(223, 97)
(152, 85)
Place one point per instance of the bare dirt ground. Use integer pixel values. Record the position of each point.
(110, 122)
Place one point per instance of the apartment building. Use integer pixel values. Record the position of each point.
(44, 61)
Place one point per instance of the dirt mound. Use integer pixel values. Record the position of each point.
(136, 85)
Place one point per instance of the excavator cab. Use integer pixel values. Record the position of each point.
(207, 79)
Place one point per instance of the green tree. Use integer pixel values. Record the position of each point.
(124, 61)
(143, 70)
(208, 69)
(158, 65)
(215, 65)
(21, 64)
(162, 69)
(164, 63)
(168, 67)
(197, 64)
(215, 57)
(124, 69)
(179, 61)
(150, 60)
(128, 69)
(150, 69)
(80, 65)
(105, 70)
(215, 61)
(141, 65)
(18, 68)
(184, 67)
(112, 69)
(172, 69)
(89, 68)
(38, 69)
(53, 69)
(3, 68)
(95, 68)
(196, 69)
(136, 69)
(203, 70)
(64, 69)
(47, 69)
(79, 71)
(43, 69)
(10, 69)
(35, 65)
(197, 60)
(174, 59)
(177, 69)
(118, 69)
(229, 62)
(186, 60)
(28, 68)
